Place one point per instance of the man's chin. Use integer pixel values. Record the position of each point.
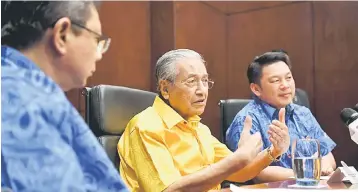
(199, 111)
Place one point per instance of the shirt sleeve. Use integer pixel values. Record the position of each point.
(152, 161)
(326, 143)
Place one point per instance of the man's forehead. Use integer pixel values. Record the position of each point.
(276, 69)
(93, 21)
(191, 67)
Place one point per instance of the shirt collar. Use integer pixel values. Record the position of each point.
(170, 116)
(270, 110)
(13, 57)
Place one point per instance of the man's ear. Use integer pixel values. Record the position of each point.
(61, 33)
(164, 88)
(256, 89)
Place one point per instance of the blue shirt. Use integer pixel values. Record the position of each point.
(300, 122)
(46, 145)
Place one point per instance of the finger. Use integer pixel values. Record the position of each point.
(281, 115)
(276, 130)
(280, 125)
(247, 124)
(274, 135)
(257, 137)
(273, 141)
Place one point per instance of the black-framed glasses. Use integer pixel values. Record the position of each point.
(194, 82)
(103, 41)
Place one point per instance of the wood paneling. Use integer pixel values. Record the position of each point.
(162, 33)
(336, 61)
(251, 34)
(218, 5)
(203, 29)
(233, 7)
(127, 62)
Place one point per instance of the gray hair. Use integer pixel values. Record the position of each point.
(165, 69)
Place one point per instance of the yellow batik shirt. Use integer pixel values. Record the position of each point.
(158, 147)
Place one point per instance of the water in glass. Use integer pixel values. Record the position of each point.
(306, 161)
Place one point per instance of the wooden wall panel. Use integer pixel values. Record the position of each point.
(233, 7)
(203, 29)
(162, 33)
(336, 59)
(127, 62)
(250, 34)
(218, 5)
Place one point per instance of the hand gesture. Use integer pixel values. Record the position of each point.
(279, 135)
(249, 145)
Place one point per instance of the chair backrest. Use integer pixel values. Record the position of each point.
(228, 110)
(109, 109)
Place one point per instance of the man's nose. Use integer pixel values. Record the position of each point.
(201, 88)
(285, 84)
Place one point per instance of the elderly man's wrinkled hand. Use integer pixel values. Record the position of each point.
(249, 145)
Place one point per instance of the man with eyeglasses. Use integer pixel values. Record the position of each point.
(48, 48)
(166, 148)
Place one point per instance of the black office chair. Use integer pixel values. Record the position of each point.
(228, 110)
(109, 109)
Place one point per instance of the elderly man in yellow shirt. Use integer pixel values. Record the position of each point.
(166, 148)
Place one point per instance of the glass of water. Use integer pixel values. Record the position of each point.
(306, 157)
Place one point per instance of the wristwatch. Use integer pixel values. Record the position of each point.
(269, 154)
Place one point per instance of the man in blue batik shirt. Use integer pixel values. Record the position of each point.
(48, 48)
(273, 86)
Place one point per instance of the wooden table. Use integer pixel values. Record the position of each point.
(285, 184)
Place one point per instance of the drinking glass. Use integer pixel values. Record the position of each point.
(306, 163)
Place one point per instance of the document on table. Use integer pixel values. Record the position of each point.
(235, 188)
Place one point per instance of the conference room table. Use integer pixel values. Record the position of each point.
(285, 184)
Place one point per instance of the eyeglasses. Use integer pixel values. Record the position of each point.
(103, 41)
(194, 82)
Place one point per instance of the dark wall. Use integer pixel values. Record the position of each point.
(320, 37)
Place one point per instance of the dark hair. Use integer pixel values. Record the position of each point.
(280, 51)
(23, 23)
(254, 71)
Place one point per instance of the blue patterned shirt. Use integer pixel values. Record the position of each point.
(300, 122)
(46, 145)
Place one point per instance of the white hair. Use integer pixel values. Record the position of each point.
(165, 68)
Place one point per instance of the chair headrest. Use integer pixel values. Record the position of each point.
(110, 108)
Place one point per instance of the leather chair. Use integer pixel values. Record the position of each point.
(228, 110)
(109, 109)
